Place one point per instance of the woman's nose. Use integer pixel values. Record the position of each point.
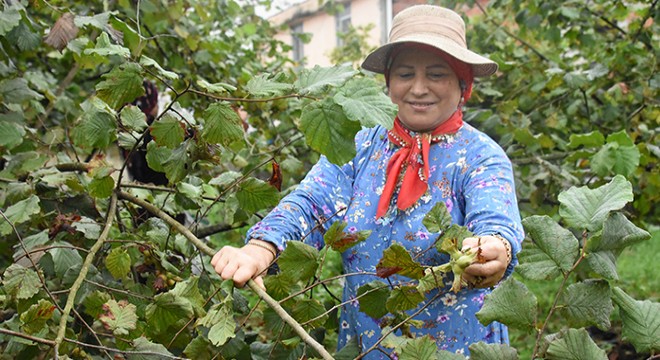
(419, 86)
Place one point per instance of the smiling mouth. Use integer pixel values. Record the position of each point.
(420, 106)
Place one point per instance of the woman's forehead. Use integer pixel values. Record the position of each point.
(415, 57)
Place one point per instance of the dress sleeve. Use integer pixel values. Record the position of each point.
(309, 210)
(489, 193)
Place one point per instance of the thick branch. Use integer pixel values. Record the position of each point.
(210, 252)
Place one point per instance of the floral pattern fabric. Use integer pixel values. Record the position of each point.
(469, 172)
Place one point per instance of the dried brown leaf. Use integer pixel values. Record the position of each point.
(62, 32)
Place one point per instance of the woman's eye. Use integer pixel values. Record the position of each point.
(436, 75)
(405, 75)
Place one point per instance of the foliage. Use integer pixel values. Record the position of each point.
(87, 271)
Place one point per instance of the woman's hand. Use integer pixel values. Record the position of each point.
(490, 267)
(245, 263)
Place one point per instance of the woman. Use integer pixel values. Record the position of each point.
(397, 176)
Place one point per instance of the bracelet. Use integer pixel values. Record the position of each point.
(507, 246)
(263, 246)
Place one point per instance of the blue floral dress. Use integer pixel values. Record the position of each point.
(469, 172)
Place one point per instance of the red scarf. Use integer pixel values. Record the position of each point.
(414, 156)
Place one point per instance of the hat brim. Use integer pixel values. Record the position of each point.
(481, 66)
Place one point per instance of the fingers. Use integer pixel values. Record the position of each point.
(238, 264)
(491, 262)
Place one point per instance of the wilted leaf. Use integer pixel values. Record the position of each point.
(118, 263)
(372, 298)
(404, 298)
(254, 195)
(512, 304)
(20, 282)
(222, 125)
(328, 131)
(483, 351)
(584, 208)
(641, 321)
(119, 317)
(396, 256)
(62, 32)
(318, 78)
(340, 241)
(575, 344)
(587, 303)
(554, 249)
(299, 260)
(363, 100)
(34, 319)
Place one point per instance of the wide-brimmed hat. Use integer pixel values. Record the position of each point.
(431, 25)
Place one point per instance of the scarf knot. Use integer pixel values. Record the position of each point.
(413, 156)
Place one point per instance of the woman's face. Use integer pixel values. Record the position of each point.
(424, 87)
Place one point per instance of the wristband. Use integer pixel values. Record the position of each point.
(507, 246)
(263, 246)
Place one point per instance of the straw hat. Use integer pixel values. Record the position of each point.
(431, 25)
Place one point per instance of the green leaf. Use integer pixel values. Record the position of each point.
(421, 348)
(299, 260)
(588, 140)
(363, 100)
(404, 298)
(189, 289)
(198, 348)
(168, 310)
(101, 187)
(221, 324)
(438, 219)
(254, 195)
(17, 91)
(328, 130)
(222, 125)
(575, 344)
(119, 317)
(584, 208)
(615, 159)
(9, 18)
(483, 351)
(133, 118)
(35, 318)
(372, 298)
(64, 258)
(280, 286)
(338, 240)
(603, 263)
(157, 155)
(152, 350)
(265, 85)
(446, 355)
(350, 351)
(23, 37)
(452, 238)
(118, 263)
(96, 129)
(587, 303)
(11, 134)
(20, 282)
(310, 312)
(121, 86)
(19, 213)
(317, 79)
(147, 61)
(168, 131)
(512, 304)
(554, 249)
(94, 303)
(105, 48)
(177, 164)
(397, 260)
(99, 21)
(641, 321)
(218, 88)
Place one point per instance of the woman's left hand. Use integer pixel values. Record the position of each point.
(494, 260)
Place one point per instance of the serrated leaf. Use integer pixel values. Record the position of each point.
(372, 298)
(11, 134)
(99, 21)
(64, 258)
(310, 312)
(618, 233)
(403, 298)
(198, 348)
(119, 317)
(147, 61)
(157, 155)
(554, 250)
(264, 85)
(105, 48)
(19, 213)
(177, 164)
(101, 188)
(574, 344)
(20, 282)
(35, 318)
(433, 277)
(221, 324)
(340, 241)
(189, 289)
(421, 348)
(96, 129)
(397, 257)
(584, 208)
(615, 159)
(121, 86)
(23, 37)
(588, 140)
(587, 303)
(452, 238)
(17, 91)
(168, 310)
(94, 303)
(641, 321)
(318, 78)
(483, 351)
(438, 218)
(133, 118)
(218, 88)
(299, 260)
(168, 131)
(328, 130)
(603, 263)
(254, 195)
(280, 286)
(10, 17)
(150, 350)
(512, 304)
(222, 125)
(363, 100)
(118, 263)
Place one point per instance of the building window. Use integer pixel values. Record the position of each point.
(343, 22)
(297, 43)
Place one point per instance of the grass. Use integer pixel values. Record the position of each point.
(637, 276)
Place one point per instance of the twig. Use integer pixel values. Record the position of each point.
(83, 272)
(210, 252)
(127, 293)
(26, 336)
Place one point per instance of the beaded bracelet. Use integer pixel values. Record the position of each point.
(507, 246)
(263, 246)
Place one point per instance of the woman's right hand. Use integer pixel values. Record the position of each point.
(245, 263)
